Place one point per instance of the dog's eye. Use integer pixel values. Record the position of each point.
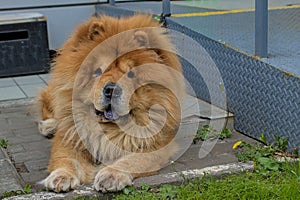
(130, 74)
(97, 72)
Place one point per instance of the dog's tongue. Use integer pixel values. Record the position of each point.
(110, 115)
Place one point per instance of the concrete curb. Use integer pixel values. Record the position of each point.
(16, 102)
(180, 176)
(156, 180)
(9, 177)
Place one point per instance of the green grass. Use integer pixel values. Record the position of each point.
(26, 190)
(276, 185)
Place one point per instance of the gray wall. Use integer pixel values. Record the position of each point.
(62, 16)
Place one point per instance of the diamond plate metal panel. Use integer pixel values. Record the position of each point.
(262, 98)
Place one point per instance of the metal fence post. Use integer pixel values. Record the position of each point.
(261, 28)
(166, 8)
(112, 2)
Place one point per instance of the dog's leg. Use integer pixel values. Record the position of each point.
(47, 127)
(109, 179)
(61, 180)
(121, 173)
(69, 168)
(66, 174)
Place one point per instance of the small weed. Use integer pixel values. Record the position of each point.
(226, 133)
(281, 143)
(263, 156)
(206, 132)
(3, 143)
(262, 138)
(129, 190)
(296, 152)
(166, 191)
(203, 133)
(26, 190)
(145, 187)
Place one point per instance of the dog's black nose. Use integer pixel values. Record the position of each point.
(112, 90)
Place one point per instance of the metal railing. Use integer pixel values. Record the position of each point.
(261, 24)
(261, 28)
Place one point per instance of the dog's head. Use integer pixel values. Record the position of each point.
(132, 68)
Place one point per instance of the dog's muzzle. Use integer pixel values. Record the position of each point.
(111, 93)
(112, 90)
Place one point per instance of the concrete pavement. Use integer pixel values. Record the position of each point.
(25, 159)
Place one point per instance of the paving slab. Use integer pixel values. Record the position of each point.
(31, 90)
(10, 93)
(45, 77)
(7, 82)
(25, 80)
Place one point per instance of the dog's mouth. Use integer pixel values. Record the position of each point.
(108, 114)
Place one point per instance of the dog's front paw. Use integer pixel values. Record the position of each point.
(47, 127)
(60, 181)
(110, 180)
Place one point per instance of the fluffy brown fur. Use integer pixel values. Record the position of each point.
(111, 148)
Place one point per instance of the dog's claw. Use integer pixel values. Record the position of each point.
(60, 181)
(111, 180)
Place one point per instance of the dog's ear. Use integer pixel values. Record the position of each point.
(142, 38)
(95, 29)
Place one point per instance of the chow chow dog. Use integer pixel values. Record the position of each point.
(113, 104)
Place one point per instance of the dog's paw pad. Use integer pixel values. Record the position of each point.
(110, 180)
(47, 127)
(60, 181)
